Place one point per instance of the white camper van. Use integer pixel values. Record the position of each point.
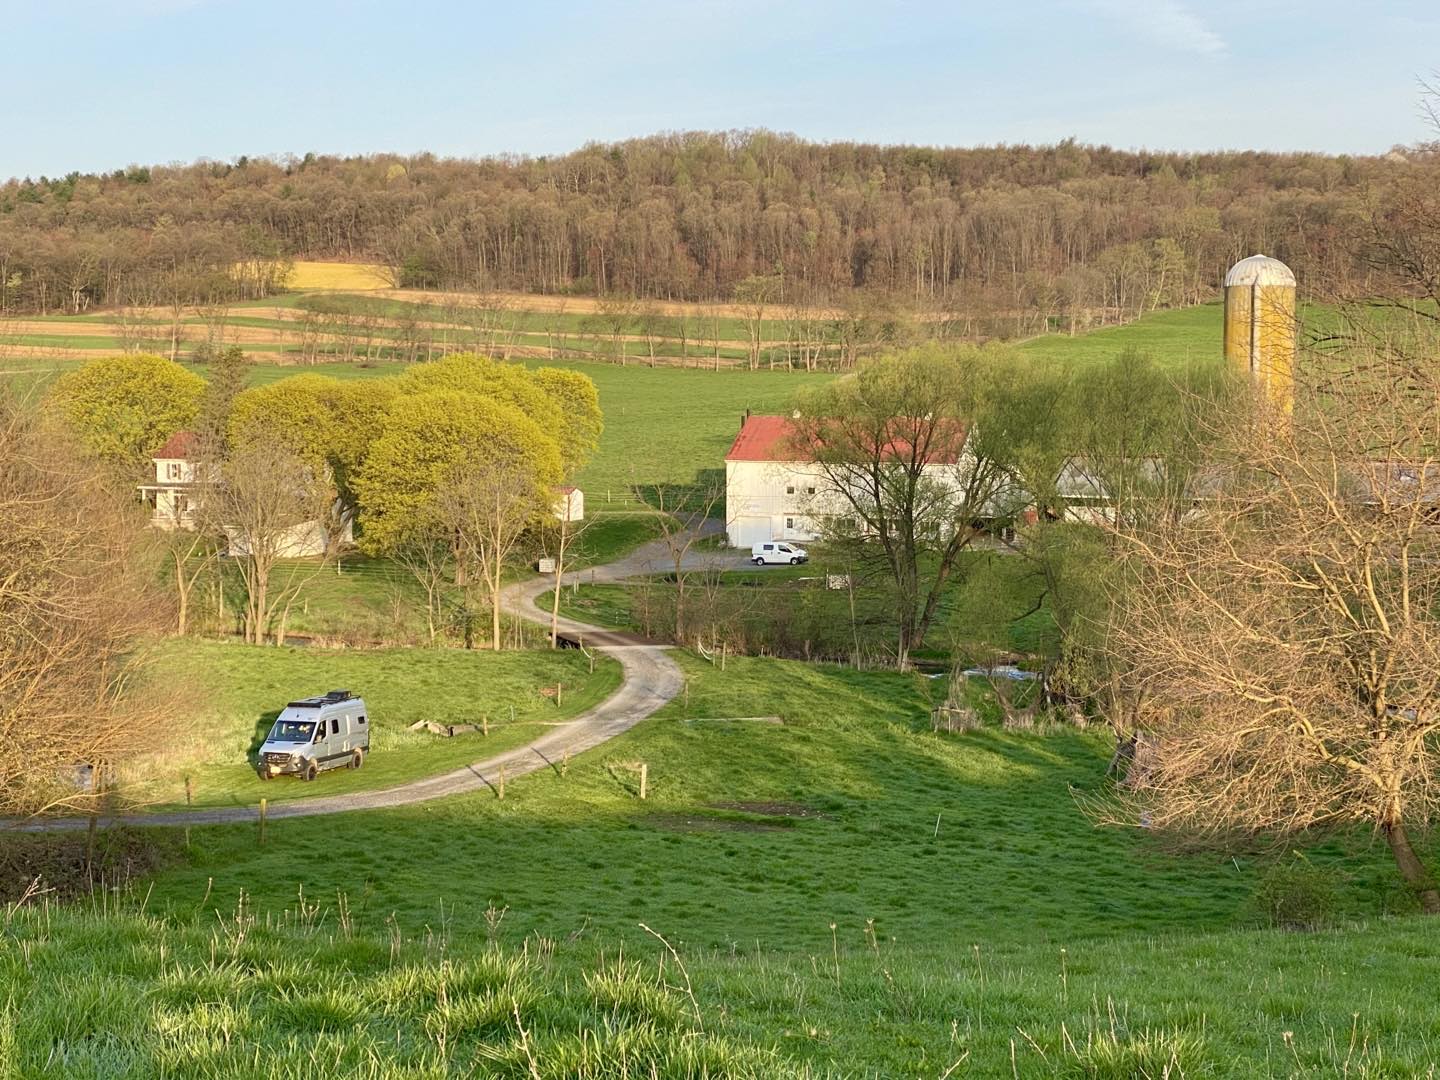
(777, 551)
(315, 734)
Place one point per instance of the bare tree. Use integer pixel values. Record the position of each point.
(558, 536)
(427, 555)
(1285, 631)
(486, 508)
(268, 504)
(77, 606)
(681, 513)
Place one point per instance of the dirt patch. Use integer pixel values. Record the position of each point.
(772, 809)
(121, 857)
(711, 823)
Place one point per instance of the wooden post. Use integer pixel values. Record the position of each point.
(264, 810)
(484, 723)
(189, 801)
(722, 655)
(512, 714)
(500, 791)
(644, 778)
(559, 694)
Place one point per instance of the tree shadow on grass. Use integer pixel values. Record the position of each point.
(263, 723)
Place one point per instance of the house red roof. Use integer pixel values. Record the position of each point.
(775, 438)
(181, 446)
(765, 438)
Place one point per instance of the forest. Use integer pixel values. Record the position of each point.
(1085, 233)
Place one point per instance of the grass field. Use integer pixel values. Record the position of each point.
(850, 895)
(238, 690)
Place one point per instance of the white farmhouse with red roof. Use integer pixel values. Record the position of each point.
(174, 500)
(770, 492)
(775, 490)
(172, 497)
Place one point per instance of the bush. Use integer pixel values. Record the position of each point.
(1295, 894)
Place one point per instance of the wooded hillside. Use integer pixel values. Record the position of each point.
(746, 215)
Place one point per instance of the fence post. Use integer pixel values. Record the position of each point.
(500, 791)
(644, 778)
(264, 810)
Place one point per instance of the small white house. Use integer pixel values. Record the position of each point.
(174, 497)
(569, 504)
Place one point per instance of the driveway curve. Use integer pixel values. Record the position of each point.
(650, 679)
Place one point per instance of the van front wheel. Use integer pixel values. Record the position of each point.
(758, 560)
(795, 561)
(357, 759)
(311, 771)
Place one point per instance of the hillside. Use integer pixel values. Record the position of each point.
(702, 216)
(847, 893)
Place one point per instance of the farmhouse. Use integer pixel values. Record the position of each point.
(774, 490)
(175, 495)
(172, 497)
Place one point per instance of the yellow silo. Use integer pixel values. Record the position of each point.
(1260, 325)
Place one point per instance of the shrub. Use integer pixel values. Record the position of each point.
(1295, 894)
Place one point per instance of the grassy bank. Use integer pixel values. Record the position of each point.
(238, 690)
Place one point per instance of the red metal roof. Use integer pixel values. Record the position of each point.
(179, 447)
(775, 438)
(765, 438)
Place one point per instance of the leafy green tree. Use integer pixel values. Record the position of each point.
(580, 405)
(914, 452)
(229, 371)
(328, 423)
(123, 408)
(448, 457)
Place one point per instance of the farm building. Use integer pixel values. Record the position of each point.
(175, 494)
(774, 491)
(172, 497)
(569, 504)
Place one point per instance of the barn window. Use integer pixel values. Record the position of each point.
(789, 489)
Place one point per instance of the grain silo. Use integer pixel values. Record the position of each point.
(1260, 325)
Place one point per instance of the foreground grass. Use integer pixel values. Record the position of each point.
(239, 689)
(849, 893)
(316, 992)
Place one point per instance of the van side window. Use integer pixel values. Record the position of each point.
(319, 731)
(334, 725)
(361, 721)
(768, 547)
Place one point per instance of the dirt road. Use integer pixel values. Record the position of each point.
(650, 680)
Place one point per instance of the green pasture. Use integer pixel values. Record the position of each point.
(237, 690)
(849, 893)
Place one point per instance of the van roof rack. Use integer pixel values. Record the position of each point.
(316, 702)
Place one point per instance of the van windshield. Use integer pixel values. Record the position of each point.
(292, 730)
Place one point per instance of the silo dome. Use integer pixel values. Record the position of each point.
(1260, 270)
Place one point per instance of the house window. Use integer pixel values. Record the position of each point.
(789, 489)
(810, 489)
(789, 523)
(172, 471)
(182, 504)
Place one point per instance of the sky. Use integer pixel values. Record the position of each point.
(100, 84)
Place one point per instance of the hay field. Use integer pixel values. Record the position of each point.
(307, 274)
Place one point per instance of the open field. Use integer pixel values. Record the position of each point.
(850, 894)
(311, 274)
(238, 690)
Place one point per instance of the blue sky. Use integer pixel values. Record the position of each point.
(98, 84)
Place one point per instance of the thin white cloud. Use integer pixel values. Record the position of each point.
(1168, 23)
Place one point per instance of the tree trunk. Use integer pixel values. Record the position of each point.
(1411, 868)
